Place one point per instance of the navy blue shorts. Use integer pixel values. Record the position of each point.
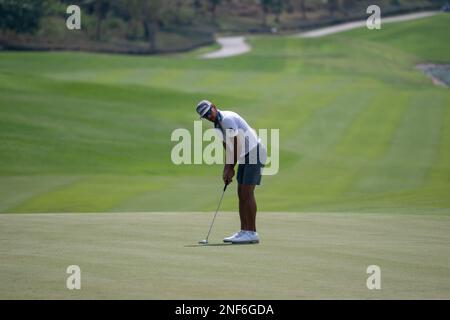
(250, 172)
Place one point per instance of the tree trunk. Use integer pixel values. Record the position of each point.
(277, 18)
(178, 7)
(98, 25)
(303, 9)
(214, 14)
(150, 34)
(98, 29)
(332, 6)
(264, 17)
(342, 7)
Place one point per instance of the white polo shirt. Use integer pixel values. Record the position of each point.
(234, 125)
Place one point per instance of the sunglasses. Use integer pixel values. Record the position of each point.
(206, 115)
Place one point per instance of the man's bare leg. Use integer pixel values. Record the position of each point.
(247, 206)
(241, 208)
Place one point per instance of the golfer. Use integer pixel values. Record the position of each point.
(242, 146)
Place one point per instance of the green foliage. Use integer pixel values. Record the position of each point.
(136, 26)
(21, 16)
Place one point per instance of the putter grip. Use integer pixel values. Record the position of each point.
(225, 187)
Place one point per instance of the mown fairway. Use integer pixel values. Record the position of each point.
(361, 129)
(364, 170)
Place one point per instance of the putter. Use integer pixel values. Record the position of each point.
(205, 241)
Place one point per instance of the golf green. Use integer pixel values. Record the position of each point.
(156, 256)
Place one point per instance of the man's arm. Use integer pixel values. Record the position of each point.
(228, 170)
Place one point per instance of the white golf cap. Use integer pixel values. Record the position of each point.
(203, 107)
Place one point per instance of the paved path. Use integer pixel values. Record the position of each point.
(358, 24)
(231, 46)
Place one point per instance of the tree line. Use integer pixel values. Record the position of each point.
(144, 20)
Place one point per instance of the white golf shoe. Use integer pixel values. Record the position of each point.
(246, 237)
(230, 239)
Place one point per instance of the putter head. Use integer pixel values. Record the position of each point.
(203, 242)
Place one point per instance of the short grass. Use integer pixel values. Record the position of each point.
(156, 256)
(360, 128)
(364, 149)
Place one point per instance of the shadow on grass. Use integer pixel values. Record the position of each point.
(218, 245)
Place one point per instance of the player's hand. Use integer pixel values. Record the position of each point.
(228, 174)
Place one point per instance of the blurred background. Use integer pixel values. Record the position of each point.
(85, 123)
(155, 26)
